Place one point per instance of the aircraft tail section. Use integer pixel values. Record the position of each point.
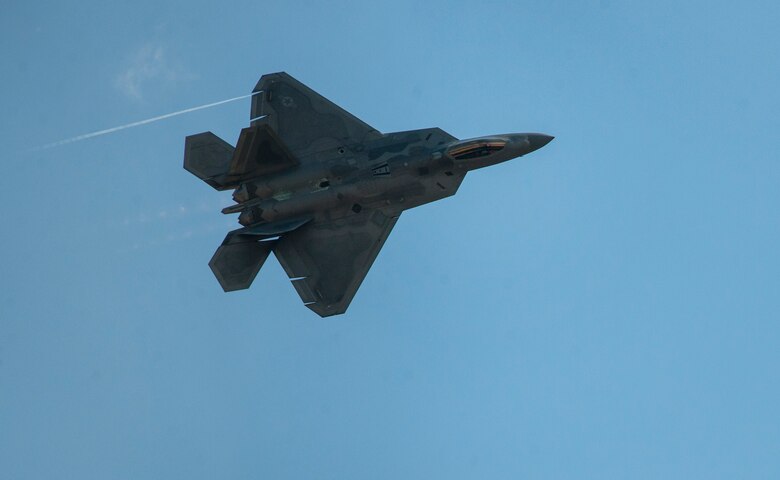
(208, 157)
(237, 261)
(259, 152)
(244, 251)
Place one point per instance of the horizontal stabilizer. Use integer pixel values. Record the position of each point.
(208, 157)
(237, 261)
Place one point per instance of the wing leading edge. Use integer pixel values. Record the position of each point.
(305, 121)
(327, 261)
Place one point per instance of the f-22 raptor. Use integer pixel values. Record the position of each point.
(322, 189)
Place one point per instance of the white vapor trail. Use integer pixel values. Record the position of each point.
(135, 124)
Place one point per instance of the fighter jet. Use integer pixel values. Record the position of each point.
(322, 190)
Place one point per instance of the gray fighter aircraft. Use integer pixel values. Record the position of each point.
(322, 189)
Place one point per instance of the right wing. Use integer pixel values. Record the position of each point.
(289, 121)
(304, 120)
(327, 260)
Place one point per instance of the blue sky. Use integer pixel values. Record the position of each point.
(603, 308)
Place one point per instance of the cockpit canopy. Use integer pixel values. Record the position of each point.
(476, 148)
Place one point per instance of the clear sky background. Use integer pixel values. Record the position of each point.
(606, 307)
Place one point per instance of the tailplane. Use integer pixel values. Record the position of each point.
(208, 157)
(237, 261)
(244, 251)
(259, 152)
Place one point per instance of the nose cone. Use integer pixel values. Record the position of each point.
(484, 151)
(537, 141)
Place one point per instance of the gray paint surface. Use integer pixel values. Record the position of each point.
(603, 308)
(323, 189)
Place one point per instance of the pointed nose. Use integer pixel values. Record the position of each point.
(537, 141)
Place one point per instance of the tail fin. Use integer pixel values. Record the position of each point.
(259, 152)
(208, 157)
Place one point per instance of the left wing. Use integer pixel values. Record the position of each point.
(327, 261)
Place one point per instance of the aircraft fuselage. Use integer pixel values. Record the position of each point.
(322, 189)
(384, 172)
